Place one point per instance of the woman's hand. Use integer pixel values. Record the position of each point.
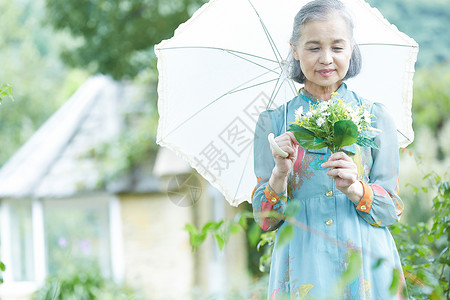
(283, 166)
(345, 174)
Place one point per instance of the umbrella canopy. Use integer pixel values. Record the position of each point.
(227, 64)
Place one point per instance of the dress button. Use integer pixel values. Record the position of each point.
(329, 193)
(273, 200)
(363, 207)
(329, 222)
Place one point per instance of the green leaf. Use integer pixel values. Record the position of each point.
(435, 295)
(315, 146)
(220, 241)
(254, 234)
(212, 226)
(298, 128)
(191, 229)
(345, 133)
(285, 235)
(195, 238)
(6, 91)
(318, 141)
(395, 230)
(292, 208)
(395, 284)
(420, 252)
(243, 221)
(2, 266)
(366, 142)
(378, 263)
(415, 189)
(235, 228)
(306, 138)
(307, 141)
(353, 268)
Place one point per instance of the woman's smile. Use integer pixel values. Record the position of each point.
(326, 72)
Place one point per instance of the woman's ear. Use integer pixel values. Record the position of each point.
(294, 51)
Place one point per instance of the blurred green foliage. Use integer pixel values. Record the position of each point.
(31, 67)
(426, 21)
(134, 149)
(116, 37)
(5, 92)
(266, 241)
(431, 103)
(2, 269)
(82, 281)
(424, 247)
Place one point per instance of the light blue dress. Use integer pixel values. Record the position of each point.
(309, 266)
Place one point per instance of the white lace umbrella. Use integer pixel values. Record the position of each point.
(227, 64)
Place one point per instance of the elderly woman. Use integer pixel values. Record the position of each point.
(351, 196)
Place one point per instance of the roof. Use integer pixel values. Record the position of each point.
(53, 162)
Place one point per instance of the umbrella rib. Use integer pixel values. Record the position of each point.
(272, 97)
(222, 49)
(232, 91)
(292, 86)
(242, 173)
(246, 59)
(248, 87)
(384, 44)
(269, 37)
(404, 136)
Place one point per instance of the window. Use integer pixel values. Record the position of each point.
(21, 239)
(77, 233)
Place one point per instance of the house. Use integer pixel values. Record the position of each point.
(55, 210)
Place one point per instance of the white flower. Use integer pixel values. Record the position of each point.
(323, 106)
(366, 115)
(320, 121)
(354, 116)
(309, 114)
(299, 113)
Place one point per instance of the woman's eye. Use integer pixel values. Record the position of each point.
(314, 49)
(338, 48)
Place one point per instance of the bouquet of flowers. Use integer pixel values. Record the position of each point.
(333, 124)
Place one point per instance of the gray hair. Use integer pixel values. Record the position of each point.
(319, 10)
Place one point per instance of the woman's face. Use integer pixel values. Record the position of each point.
(324, 50)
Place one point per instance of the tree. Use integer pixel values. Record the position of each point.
(30, 65)
(426, 21)
(431, 104)
(116, 37)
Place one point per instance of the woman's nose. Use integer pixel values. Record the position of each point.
(326, 57)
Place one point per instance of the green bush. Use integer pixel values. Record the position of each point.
(82, 282)
(424, 247)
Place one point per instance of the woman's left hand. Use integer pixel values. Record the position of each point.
(345, 174)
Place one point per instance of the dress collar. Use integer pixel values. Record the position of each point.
(342, 90)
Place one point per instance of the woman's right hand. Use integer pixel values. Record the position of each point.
(283, 166)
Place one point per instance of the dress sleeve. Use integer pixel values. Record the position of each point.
(264, 198)
(381, 204)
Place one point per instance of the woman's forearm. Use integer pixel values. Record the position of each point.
(278, 181)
